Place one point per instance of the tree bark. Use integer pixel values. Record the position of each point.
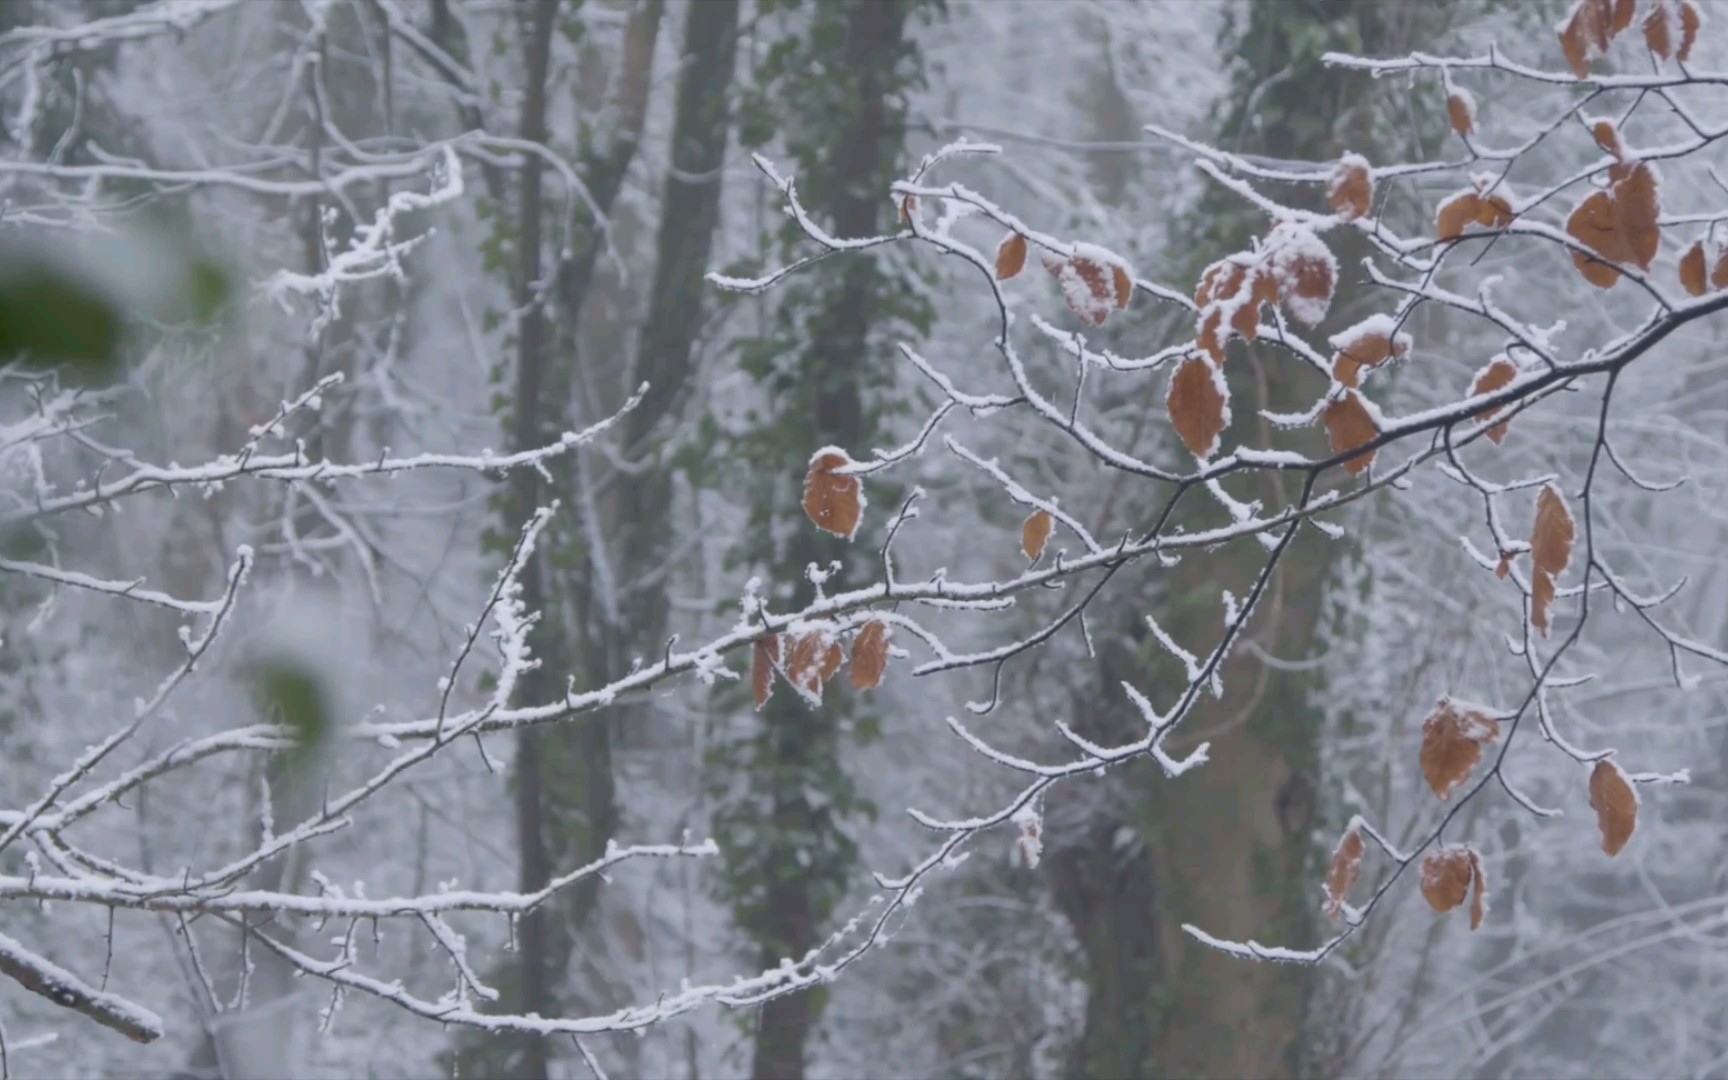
(801, 735)
(534, 870)
(1228, 847)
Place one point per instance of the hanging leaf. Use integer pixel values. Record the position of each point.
(908, 207)
(1349, 426)
(1615, 801)
(1719, 274)
(1198, 405)
(1607, 136)
(1594, 225)
(870, 655)
(1035, 533)
(1479, 897)
(806, 659)
(1690, 23)
(832, 657)
(1124, 283)
(1541, 596)
(1496, 376)
(1446, 877)
(1452, 744)
(1304, 271)
(1346, 868)
(1505, 565)
(1622, 17)
(1350, 191)
(1692, 270)
(1659, 30)
(1637, 206)
(1461, 110)
(1010, 256)
(833, 501)
(764, 658)
(1456, 214)
(1551, 539)
(1586, 32)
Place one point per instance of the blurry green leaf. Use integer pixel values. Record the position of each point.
(293, 696)
(48, 316)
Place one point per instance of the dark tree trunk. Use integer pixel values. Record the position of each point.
(801, 735)
(533, 931)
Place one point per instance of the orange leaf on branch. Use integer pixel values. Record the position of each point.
(1010, 256)
(1198, 402)
(833, 501)
(1346, 868)
(1350, 191)
(1452, 742)
(1615, 801)
(870, 655)
(1035, 533)
(1349, 426)
(1496, 376)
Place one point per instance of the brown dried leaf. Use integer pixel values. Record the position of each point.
(1198, 407)
(1594, 225)
(1690, 22)
(1035, 533)
(832, 657)
(1349, 426)
(1010, 256)
(1541, 596)
(1309, 279)
(1494, 211)
(1452, 745)
(1578, 37)
(1607, 136)
(1719, 274)
(1622, 18)
(1456, 214)
(834, 502)
(1346, 370)
(1124, 283)
(804, 663)
(1458, 110)
(1551, 538)
(1245, 319)
(1658, 34)
(1203, 291)
(1346, 868)
(1351, 189)
(870, 655)
(1692, 277)
(1211, 337)
(908, 207)
(1446, 877)
(1497, 375)
(1479, 897)
(1636, 208)
(764, 657)
(1615, 803)
(1505, 566)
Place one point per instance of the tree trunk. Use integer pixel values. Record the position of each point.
(801, 736)
(1229, 846)
(535, 869)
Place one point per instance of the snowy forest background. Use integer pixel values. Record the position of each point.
(357, 231)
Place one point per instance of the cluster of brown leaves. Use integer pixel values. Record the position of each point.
(1447, 878)
(1617, 223)
(1697, 275)
(1093, 281)
(1670, 30)
(810, 660)
(1291, 267)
